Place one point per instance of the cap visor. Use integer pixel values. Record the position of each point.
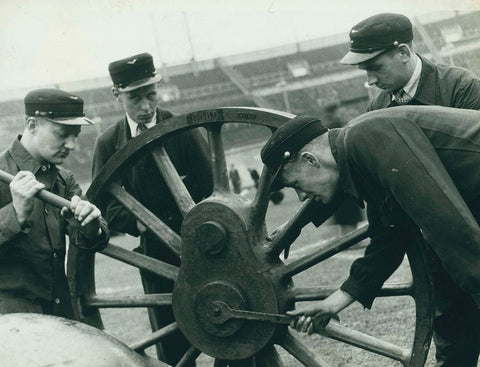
(140, 83)
(72, 121)
(355, 58)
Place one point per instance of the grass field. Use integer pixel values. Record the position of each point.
(391, 319)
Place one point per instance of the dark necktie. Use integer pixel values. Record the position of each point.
(140, 128)
(401, 97)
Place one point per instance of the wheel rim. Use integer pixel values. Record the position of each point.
(225, 234)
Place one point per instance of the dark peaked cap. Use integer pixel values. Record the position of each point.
(375, 35)
(56, 105)
(290, 137)
(133, 72)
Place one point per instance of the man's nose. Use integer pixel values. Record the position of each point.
(301, 195)
(70, 143)
(145, 105)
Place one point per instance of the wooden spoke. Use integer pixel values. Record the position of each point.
(366, 342)
(143, 262)
(303, 354)
(147, 218)
(217, 154)
(190, 355)
(323, 253)
(155, 337)
(179, 192)
(322, 292)
(147, 300)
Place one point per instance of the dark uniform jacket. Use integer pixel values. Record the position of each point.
(32, 258)
(189, 154)
(441, 85)
(421, 177)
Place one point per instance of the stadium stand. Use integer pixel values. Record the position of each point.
(300, 78)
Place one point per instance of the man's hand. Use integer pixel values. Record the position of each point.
(315, 316)
(86, 214)
(23, 188)
(312, 317)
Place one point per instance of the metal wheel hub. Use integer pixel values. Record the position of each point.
(218, 265)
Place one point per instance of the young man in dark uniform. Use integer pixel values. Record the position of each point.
(32, 232)
(382, 45)
(425, 181)
(135, 85)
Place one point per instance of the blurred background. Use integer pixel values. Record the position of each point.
(282, 55)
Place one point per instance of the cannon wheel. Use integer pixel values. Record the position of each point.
(226, 261)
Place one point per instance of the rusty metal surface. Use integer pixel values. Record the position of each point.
(231, 275)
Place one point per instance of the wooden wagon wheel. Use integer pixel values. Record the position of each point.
(227, 264)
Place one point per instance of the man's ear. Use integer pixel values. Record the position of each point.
(116, 93)
(404, 51)
(310, 158)
(32, 125)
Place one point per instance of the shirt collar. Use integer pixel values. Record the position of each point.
(411, 87)
(22, 158)
(133, 125)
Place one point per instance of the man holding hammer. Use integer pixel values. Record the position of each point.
(32, 232)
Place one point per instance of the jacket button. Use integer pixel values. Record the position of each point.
(57, 300)
(55, 255)
(44, 168)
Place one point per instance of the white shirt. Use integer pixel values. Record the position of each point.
(411, 87)
(133, 125)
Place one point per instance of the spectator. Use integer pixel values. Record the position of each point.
(32, 232)
(235, 179)
(255, 176)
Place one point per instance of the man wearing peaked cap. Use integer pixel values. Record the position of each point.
(375, 35)
(32, 233)
(382, 45)
(136, 88)
(422, 189)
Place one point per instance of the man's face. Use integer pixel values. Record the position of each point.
(141, 103)
(310, 182)
(53, 142)
(387, 71)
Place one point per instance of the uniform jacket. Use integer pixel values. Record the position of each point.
(425, 179)
(189, 154)
(32, 258)
(440, 85)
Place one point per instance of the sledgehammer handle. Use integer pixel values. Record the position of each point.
(44, 195)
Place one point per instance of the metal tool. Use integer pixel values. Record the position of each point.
(224, 312)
